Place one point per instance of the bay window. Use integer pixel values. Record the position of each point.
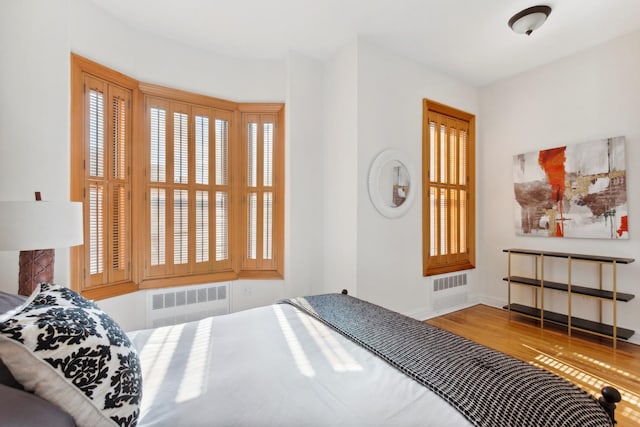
(178, 188)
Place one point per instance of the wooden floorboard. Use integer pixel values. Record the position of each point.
(588, 361)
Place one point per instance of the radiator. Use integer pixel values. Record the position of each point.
(449, 291)
(170, 306)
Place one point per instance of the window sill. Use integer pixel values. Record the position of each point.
(433, 271)
(109, 291)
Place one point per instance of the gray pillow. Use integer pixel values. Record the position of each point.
(6, 378)
(20, 408)
(9, 302)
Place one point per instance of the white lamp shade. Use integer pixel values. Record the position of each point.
(40, 225)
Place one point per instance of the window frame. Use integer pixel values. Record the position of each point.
(139, 274)
(157, 95)
(261, 268)
(78, 257)
(444, 263)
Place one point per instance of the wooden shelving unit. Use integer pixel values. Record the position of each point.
(566, 319)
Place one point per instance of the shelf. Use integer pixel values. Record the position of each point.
(575, 289)
(576, 322)
(538, 281)
(581, 257)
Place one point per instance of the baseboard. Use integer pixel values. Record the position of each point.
(425, 313)
(492, 301)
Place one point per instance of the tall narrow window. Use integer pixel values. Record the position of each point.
(107, 182)
(261, 209)
(449, 189)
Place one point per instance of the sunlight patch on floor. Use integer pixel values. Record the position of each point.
(629, 414)
(607, 366)
(589, 382)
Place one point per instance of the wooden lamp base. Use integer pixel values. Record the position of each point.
(35, 267)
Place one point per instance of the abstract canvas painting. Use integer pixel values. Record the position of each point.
(577, 190)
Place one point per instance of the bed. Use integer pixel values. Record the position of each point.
(313, 361)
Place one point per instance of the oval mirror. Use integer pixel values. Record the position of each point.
(390, 186)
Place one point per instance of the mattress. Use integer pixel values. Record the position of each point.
(275, 366)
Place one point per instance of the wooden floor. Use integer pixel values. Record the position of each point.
(586, 360)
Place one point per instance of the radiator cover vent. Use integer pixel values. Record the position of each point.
(450, 292)
(449, 282)
(170, 306)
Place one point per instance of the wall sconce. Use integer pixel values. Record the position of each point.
(524, 22)
(33, 228)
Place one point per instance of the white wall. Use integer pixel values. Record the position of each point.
(34, 85)
(341, 170)
(587, 96)
(305, 171)
(390, 93)
(37, 39)
(304, 166)
(108, 41)
(373, 102)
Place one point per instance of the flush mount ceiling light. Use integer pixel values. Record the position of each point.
(524, 22)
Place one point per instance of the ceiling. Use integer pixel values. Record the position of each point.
(466, 39)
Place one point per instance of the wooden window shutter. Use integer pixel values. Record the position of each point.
(449, 189)
(107, 181)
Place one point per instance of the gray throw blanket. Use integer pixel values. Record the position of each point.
(489, 388)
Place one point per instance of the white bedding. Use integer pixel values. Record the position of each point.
(275, 366)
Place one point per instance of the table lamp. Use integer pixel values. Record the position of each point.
(35, 228)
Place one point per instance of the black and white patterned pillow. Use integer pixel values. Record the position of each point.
(65, 349)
